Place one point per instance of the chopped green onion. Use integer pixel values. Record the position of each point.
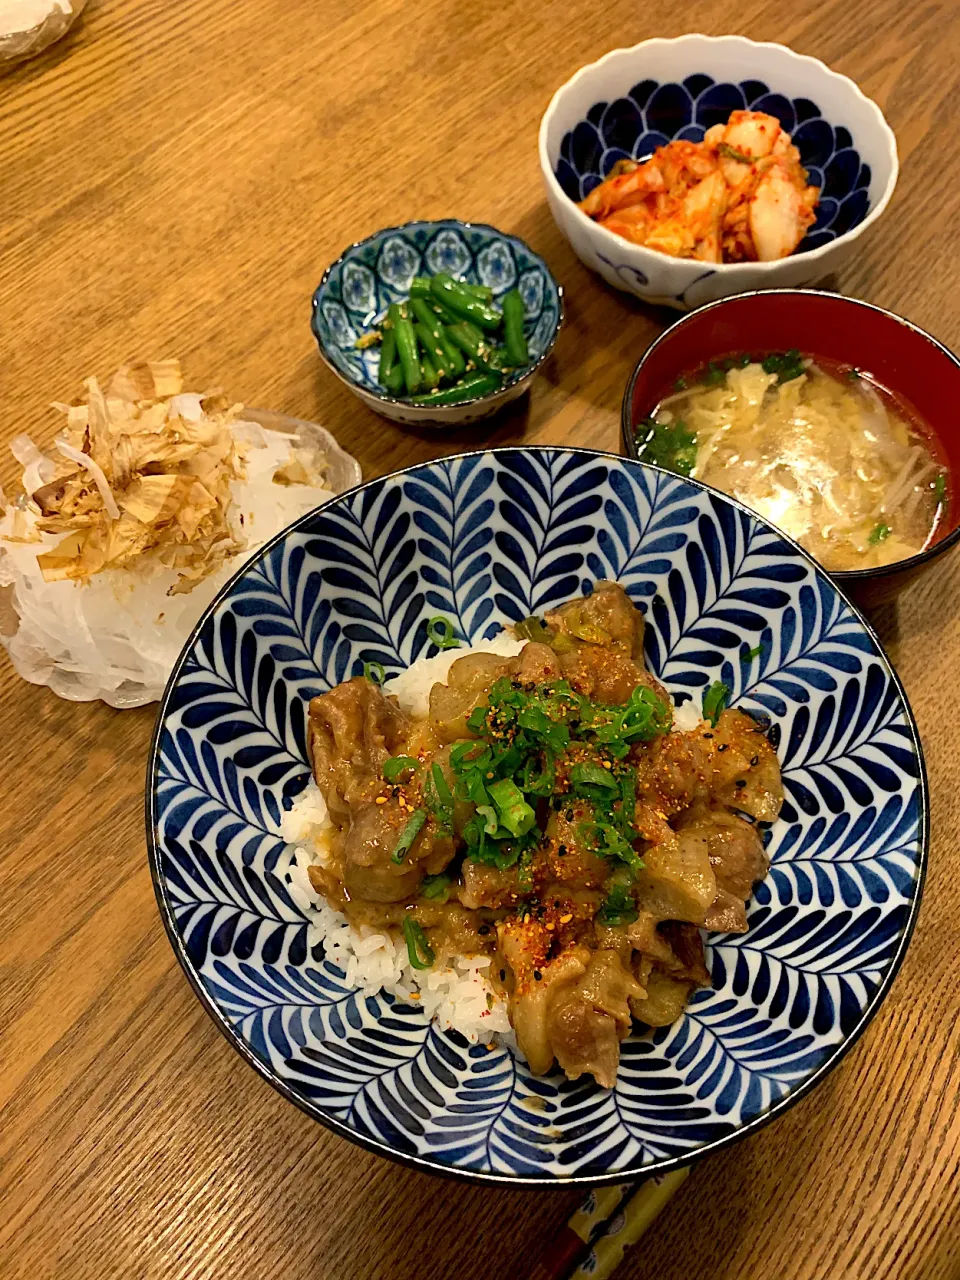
(396, 765)
(668, 445)
(435, 887)
(878, 533)
(374, 671)
(538, 777)
(468, 754)
(594, 775)
(439, 799)
(752, 653)
(419, 949)
(477, 719)
(680, 384)
(619, 906)
(534, 718)
(440, 632)
(853, 375)
(491, 823)
(940, 487)
(628, 797)
(787, 365)
(533, 628)
(715, 701)
(514, 812)
(409, 834)
(443, 787)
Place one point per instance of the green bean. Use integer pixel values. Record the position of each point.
(420, 287)
(426, 315)
(393, 381)
(406, 349)
(453, 295)
(515, 341)
(471, 341)
(388, 355)
(445, 314)
(431, 345)
(455, 361)
(431, 378)
(480, 291)
(473, 385)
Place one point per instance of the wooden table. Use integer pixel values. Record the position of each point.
(174, 177)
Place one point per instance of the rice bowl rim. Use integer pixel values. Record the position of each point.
(420, 1163)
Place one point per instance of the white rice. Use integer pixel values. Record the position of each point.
(455, 993)
(411, 688)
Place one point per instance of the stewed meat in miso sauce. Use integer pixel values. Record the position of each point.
(819, 449)
(545, 813)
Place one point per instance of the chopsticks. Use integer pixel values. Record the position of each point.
(607, 1223)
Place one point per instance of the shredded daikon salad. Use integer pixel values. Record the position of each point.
(827, 459)
(125, 529)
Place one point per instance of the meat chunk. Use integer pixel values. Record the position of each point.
(571, 860)
(738, 859)
(606, 675)
(665, 1000)
(350, 732)
(368, 869)
(687, 958)
(485, 886)
(745, 770)
(575, 1008)
(532, 998)
(468, 682)
(539, 664)
(732, 763)
(588, 1020)
(605, 617)
(672, 773)
(677, 881)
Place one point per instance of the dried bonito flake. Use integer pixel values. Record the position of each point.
(140, 476)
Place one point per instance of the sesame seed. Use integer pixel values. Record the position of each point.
(414, 995)
(754, 760)
(381, 800)
(567, 918)
(537, 975)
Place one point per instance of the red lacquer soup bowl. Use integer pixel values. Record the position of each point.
(919, 372)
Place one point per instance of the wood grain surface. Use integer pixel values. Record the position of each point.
(174, 177)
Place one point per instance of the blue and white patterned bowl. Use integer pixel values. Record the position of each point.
(488, 538)
(357, 289)
(635, 100)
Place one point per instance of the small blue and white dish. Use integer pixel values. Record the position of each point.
(357, 289)
(634, 100)
(488, 538)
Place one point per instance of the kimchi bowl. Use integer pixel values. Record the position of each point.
(412, 1050)
(621, 108)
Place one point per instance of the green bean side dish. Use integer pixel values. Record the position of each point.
(442, 345)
